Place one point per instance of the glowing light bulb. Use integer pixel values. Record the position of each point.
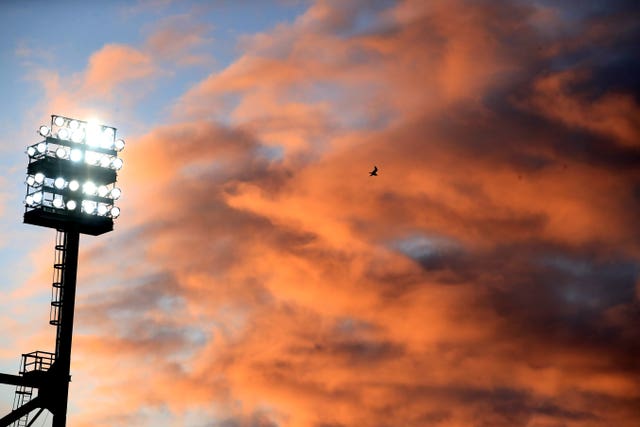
(89, 188)
(59, 183)
(63, 134)
(76, 155)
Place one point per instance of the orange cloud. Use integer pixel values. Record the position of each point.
(114, 65)
(487, 276)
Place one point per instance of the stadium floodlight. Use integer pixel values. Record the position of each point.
(71, 176)
(77, 136)
(103, 190)
(119, 144)
(92, 157)
(59, 183)
(61, 152)
(102, 209)
(89, 188)
(76, 155)
(63, 134)
(89, 206)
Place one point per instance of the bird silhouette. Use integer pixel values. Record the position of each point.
(374, 172)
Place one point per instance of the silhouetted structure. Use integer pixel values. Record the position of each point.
(71, 179)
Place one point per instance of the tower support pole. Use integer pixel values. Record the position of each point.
(65, 329)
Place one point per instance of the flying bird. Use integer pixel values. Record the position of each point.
(374, 172)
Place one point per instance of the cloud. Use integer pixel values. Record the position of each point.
(114, 65)
(116, 74)
(487, 276)
(178, 39)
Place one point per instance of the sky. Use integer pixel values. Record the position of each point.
(259, 277)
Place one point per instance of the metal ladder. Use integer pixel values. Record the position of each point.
(57, 290)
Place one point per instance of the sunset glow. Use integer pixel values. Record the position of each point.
(488, 274)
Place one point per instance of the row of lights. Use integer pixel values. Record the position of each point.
(88, 206)
(78, 131)
(88, 187)
(76, 155)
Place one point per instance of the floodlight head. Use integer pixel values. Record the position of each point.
(77, 136)
(116, 193)
(119, 144)
(89, 206)
(71, 176)
(76, 155)
(89, 188)
(105, 161)
(59, 183)
(63, 134)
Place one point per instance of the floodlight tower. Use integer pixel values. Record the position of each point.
(71, 186)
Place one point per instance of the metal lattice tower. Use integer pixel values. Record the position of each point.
(71, 179)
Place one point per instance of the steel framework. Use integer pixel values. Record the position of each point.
(45, 372)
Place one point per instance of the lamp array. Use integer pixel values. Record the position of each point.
(75, 151)
(94, 158)
(88, 187)
(62, 194)
(81, 132)
(58, 201)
